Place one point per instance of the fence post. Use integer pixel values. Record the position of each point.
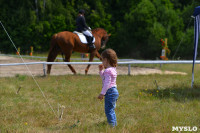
(129, 69)
(44, 69)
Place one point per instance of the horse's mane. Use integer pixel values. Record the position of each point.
(97, 29)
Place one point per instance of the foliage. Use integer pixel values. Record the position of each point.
(136, 25)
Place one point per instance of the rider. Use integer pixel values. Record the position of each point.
(82, 27)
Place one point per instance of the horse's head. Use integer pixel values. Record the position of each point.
(104, 39)
(104, 36)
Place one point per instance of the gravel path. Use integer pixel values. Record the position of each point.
(37, 70)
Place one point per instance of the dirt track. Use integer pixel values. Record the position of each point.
(37, 70)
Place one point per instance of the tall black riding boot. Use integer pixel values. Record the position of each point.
(91, 45)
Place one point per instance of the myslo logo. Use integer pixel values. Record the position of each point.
(184, 128)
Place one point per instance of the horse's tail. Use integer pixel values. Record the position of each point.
(53, 52)
(54, 49)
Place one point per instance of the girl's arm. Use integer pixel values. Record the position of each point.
(101, 74)
(106, 82)
(101, 70)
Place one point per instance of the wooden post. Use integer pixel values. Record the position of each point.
(165, 48)
(18, 51)
(129, 69)
(44, 69)
(31, 53)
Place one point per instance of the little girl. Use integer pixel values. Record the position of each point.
(109, 87)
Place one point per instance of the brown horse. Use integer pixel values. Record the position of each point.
(66, 42)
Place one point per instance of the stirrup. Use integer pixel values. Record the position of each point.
(92, 46)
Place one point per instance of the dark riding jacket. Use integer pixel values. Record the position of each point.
(81, 24)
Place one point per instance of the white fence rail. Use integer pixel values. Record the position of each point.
(97, 63)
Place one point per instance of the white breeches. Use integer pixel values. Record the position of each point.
(87, 33)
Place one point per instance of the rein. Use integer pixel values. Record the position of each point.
(102, 42)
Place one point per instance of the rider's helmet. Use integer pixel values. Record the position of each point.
(81, 11)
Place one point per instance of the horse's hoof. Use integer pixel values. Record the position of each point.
(86, 72)
(74, 73)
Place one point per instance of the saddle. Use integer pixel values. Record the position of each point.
(83, 37)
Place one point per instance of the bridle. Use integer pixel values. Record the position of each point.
(104, 41)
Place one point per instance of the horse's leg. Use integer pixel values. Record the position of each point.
(98, 55)
(90, 60)
(67, 59)
(51, 57)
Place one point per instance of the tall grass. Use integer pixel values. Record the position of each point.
(143, 106)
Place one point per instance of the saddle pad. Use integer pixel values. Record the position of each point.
(82, 37)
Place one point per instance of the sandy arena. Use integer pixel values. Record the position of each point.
(37, 70)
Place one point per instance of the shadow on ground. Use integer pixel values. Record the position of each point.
(179, 94)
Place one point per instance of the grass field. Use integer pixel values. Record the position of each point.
(142, 106)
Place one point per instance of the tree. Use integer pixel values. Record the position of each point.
(136, 26)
